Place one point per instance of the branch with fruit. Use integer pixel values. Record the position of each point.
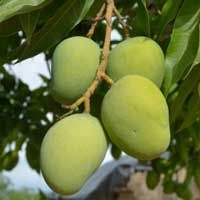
(109, 8)
(133, 99)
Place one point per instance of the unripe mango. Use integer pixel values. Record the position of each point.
(135, 116)
(75, 61)
(71, 151)
(138, 55)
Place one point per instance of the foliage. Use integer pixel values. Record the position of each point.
(173, 24)
(6, 193)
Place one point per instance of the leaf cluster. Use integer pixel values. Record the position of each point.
(33, 27)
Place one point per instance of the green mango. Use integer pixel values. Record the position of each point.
(74, 66)
(135, 115)
(138, 55)
(71, 151)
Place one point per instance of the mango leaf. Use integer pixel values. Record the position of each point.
(168, 13)
(32, 155)
(56, 28)
(43, 196)
(9, 27)
(193, 111)
(187, 86)
(199, 89)
(10, 8)
(95, 8)
(183, 191)
(184, 43)
(197, 59)
(197, 175)
(142, 17)
(28, 22)
(9, 160)
(116, 152)
(152, 179)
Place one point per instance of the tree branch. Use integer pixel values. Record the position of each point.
(100, 75)
(95, 21)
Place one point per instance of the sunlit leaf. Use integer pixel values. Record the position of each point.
(56, 28)
(184, 43)
(9, 8)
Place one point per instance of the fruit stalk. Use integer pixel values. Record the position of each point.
(100, 75)
(121, 21)
(96, 19)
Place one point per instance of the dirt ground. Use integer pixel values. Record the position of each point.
(137, 190)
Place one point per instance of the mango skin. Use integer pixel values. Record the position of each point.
(135, 116)
(140, 56)
(75, 61)
(71, 151)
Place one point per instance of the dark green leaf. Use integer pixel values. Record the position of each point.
(32, 155)
(57, 27)
(9, 27)
(184, 43)
(9, 8)
(193, 111)
(28, 22)
(152, 179)
(184, 192)
(168, 13)
(9, 160)
(116, 152)
(197, 175)
(197, 59)
(142, 18)
(43, 196)
(187, 86)
(169, 185)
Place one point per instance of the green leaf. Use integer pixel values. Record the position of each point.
(56, 28)
(168, 13)
(95, 8)
(10, 8)
(199, 89)
(184, 191)
(168, 185)
(197, 175)
(116, 152)
(187, 86)
(9, 27)
(183, 148)
(142, 17)
(28, 22)
(184, 43)
(193, 111)
(32, 155)
(152, 179)
(9, 160)
(43, 196)
(197, 59)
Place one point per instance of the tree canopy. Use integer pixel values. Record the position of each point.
(28, 28)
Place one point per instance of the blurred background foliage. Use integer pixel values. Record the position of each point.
(6, 193)
(28, 28)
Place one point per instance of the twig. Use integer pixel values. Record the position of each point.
(100, 75)
(98, 17)
(121, 21)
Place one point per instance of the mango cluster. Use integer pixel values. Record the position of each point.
(134, 112)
